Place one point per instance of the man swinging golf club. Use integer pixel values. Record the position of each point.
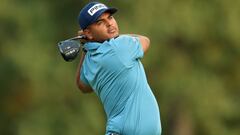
(111, 67)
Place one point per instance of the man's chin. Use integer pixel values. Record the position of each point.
(114, 35)
(109, 36)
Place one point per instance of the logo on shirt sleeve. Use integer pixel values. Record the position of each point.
(135, 40)
(96, 8)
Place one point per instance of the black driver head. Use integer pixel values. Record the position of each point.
(69, 49)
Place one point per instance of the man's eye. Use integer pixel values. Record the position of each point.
(99, 22)
(110, 17)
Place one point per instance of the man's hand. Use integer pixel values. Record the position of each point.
(83, 40)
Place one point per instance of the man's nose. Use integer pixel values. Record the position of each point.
(108, 22)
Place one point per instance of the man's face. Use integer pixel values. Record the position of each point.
(104, 28)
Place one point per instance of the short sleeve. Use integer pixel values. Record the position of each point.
(135, 48)
(129, 47)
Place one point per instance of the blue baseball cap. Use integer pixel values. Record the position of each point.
(91, 12)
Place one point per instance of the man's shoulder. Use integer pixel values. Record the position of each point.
(122, 39)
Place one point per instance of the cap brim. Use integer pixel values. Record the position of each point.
(111, 10)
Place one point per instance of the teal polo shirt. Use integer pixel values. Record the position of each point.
(114, 71)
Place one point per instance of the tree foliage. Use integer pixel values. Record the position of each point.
(192, 66)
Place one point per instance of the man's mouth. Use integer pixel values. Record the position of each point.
(111, 30)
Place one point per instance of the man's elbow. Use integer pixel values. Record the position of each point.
(85, 91)
(83, 88)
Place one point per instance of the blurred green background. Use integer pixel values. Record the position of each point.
(193, 66)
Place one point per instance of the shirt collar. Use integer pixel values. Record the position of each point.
(92, 45)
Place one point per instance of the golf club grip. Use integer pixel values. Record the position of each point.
(79, 37)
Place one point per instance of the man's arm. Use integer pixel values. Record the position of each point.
(83, 87)
(145, 41)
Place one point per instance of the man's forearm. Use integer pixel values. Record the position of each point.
(79, 68)
(84, 88)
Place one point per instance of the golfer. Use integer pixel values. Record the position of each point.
(110, 66)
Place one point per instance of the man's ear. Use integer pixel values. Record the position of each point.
(88, 33)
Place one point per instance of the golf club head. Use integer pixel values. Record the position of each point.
(69, 49)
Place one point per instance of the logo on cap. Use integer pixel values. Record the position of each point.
(96, 8)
